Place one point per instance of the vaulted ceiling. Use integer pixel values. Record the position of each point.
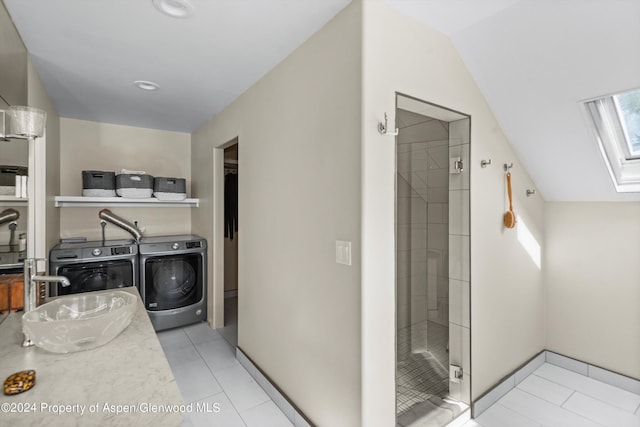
(534, 61)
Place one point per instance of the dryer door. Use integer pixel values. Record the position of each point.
(172, 281)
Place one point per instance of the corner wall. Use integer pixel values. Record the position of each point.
(593, 283)
(299, 139)
(507, 296)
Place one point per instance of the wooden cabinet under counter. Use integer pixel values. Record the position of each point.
(4, 297)
(11, 292)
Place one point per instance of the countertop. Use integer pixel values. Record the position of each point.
(125, 382)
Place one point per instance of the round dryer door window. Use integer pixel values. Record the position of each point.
(173, 279)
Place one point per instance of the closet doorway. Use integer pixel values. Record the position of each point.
(230, 250)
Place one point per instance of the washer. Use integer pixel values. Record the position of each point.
(94, 266)
(173, 279)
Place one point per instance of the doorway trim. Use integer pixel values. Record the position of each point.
(215, 306)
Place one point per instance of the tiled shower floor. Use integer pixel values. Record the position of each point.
(422, 379)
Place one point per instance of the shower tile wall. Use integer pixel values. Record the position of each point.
(459, 275)
(423, 236)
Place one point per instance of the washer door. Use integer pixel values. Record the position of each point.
(96, 276)
(172, 281)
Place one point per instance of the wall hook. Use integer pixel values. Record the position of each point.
(485, 163)
(383, 127)
(531, 192)
(507, 166)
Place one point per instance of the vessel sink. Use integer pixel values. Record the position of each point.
(79, 321)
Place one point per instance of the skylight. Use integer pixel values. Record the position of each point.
(628, 106)
(616, 121)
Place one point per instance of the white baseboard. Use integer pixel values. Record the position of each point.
(597, 373)
(292, 413)
(507, 384)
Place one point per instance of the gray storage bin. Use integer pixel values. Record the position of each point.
(8, 174)
(98, 180)
(169, 188)
(134, 186)
(98, 184)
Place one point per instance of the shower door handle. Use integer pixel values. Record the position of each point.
(455, 373)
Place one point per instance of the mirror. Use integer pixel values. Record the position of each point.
(13, 208)
(14, 153)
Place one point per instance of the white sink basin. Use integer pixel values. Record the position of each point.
(79, 321)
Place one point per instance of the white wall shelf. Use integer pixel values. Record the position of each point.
(100, 202)
(13, 201)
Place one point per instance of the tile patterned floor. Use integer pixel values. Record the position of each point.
(206, 370)
(556, 397)
(420, 376)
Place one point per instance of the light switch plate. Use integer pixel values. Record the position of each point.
(343, 252)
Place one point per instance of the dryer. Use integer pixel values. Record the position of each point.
(173, 279)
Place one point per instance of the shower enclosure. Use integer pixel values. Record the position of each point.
(432, 264)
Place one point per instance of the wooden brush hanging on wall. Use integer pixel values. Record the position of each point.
(510, 215)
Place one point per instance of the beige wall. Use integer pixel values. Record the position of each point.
(593, 283)
(298, 130)
(13, 65)
(89, 145)
(507, 312)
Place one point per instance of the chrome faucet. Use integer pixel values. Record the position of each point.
(31, 279)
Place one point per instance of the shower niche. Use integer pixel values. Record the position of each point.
(432, 263)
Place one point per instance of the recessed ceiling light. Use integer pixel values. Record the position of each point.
(146, 85)
(174, 8)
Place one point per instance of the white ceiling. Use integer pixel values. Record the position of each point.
(89, 53)
(534, 61)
